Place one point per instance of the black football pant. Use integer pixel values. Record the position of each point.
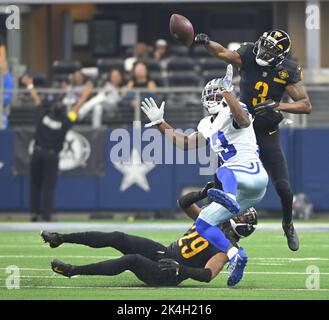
(43, 177)
(275, 164)
(140, 256)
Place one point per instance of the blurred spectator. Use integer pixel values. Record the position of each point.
(52, 124)
(140, 52)
(8, 82)
(140, 79)
(160, 50)
(106, 100)
(78, 91)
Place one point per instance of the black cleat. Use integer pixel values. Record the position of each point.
(291, 234)
(53, 238)
(62, 268)
(204, 190)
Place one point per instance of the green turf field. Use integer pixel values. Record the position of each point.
(273, 272)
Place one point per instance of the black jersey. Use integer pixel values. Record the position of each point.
(258, 83)
(194, 251)
(51, 130)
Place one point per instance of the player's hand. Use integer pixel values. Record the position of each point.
(153, 112)
(225, 85)
(168, 264)
(202, 38)
(265, 106)
(203, 191)
(27, 80)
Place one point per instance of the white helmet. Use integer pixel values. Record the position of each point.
(212, 94)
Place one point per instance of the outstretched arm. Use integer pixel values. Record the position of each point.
(187, 202)
(301, 104)
(217, 50)
(240, 116)
(28, 82)
(213, 267)
(155, 115)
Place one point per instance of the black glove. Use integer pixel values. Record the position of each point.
(203, 191)
(264, 107)
(202, 38)
(168, 264)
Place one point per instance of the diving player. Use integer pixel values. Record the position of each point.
(191, 256)
(266, 74)
(228, 129)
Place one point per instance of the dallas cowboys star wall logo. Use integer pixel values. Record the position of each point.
(134, 172)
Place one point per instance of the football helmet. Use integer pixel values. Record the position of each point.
(272, 48)
(212, 95)
(244, 224)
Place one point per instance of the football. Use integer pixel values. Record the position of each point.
(181, 29)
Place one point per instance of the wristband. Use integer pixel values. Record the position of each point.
(30, 86)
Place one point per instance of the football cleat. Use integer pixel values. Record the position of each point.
(53, 238)
(291, 234)
(62, 268)
(222, 198)
(236, 267)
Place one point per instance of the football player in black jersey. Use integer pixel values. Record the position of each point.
(266, 74)
(191, 256)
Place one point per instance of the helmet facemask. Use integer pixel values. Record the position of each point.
(270, 51)
(244, 224)
(212, 97)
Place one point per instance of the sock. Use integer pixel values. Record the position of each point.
(213, 234)
(93, 239)
(232, 252)
(228, 180)
(106, 268)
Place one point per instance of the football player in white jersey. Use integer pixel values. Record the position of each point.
(229, 131)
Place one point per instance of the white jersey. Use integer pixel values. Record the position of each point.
(232, 145)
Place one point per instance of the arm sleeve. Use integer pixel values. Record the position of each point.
(188, 199)
(297, 75)
(198, 274)
(243, 51)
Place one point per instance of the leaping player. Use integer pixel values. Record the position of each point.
(229, 132)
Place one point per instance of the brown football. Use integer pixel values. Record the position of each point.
(181, 29)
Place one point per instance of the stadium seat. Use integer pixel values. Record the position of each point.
(200, 52)
(153, 65)
(181, 64)
(105, 65)
(211, 74)
(179, 51)
(183, 79)
(211, 64)
(65, 67)
(159, 79)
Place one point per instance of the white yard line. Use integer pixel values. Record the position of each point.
(171, 288)
(117, 256)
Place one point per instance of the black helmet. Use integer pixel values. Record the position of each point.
(272, 48)
(244, 224)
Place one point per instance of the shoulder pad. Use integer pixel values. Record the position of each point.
(293, 70)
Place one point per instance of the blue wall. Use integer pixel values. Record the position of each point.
(306, 152)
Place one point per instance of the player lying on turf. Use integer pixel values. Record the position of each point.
(191, 256)
(228, 130)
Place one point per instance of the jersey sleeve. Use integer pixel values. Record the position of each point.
(297, 74)
(201, 126)
(244, 51)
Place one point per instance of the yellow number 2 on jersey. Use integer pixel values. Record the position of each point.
(262, 87)
(197, 245)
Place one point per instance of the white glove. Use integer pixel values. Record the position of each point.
(226, 83)
(152, 111)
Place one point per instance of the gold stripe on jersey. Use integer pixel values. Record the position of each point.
(275, 79)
